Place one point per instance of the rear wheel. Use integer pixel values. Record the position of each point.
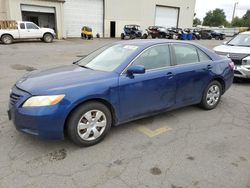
(122, 36)
(89, 123)
(145, 36)
(48, 38)
(217, 37)
(7, 39)
(211, 96)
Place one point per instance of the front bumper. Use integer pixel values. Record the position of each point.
(46, 122)
(242, 71)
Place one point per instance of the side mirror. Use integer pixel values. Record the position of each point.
(225, 42)
(136, 69)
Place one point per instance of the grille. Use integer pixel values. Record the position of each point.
(14, 98)
(237, 62)
(237, 72)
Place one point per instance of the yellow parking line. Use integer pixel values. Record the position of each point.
(153, 133)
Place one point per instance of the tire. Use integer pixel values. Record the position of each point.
(214, 88)
(122, 36)
(48, 38)
(90, 129)
(7, 39)
(145, 36)
(217, 37)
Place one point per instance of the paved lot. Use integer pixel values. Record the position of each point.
(188, 147)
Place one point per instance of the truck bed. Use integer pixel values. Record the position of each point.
(8, 24)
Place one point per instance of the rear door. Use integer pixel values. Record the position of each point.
(192, 73)
(142, 94)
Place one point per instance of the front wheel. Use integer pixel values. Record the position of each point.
(211, 96)
(89, 123)
(48, 38)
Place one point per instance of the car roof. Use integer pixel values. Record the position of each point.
(151, 42)
(145, 43)
(132, 25)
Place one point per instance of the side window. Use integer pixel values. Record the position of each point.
(22, 26)
(203, 56)
(31, 26)
(185, 54)
(154, 57)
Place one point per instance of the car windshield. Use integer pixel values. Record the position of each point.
(240, 40)
(107, 58)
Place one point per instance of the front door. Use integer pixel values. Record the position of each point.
(33, 31)
(142, 94)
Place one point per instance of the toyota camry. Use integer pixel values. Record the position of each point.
(117, 83)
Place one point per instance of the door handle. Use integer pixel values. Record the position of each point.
(169, 74)
(209, 66)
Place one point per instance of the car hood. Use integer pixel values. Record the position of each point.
(47, 30)
(232, 49)
(59, 79)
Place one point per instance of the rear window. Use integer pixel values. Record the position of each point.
(22, 26)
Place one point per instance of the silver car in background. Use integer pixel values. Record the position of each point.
(238, 50)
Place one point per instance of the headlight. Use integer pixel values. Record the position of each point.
(47, 100)
(246, 61)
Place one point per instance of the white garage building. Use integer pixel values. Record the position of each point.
(106, 17)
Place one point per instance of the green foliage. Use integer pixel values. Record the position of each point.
(215, 18)
(237, 22)
(242, 22)
(246, 19)
(196, 22)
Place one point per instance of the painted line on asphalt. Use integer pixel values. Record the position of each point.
(152, 133)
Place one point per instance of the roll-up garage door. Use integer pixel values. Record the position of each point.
(79, 13)
(43, 16)
(166, 16)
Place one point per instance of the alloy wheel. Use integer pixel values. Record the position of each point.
(213, 95)
(91, 125)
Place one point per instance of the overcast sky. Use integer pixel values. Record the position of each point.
(203, 6)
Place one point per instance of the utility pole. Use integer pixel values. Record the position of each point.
(234, 9)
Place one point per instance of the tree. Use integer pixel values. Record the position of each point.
(246, 19)
(216, 17)
(196, 22)
(237, 22)
(242, 22)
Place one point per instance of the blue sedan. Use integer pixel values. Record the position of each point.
(115, 84)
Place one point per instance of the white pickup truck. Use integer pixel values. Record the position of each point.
(26, 30)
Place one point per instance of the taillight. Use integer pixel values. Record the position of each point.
(231, 65)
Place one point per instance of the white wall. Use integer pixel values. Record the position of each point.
(142, 12)
(3, 9)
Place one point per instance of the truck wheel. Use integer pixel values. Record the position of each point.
(217, 37)
(48, 38)
(89, 123)
(7, 39)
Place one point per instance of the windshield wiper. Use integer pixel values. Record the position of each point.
(230, 44)
(83, 66)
